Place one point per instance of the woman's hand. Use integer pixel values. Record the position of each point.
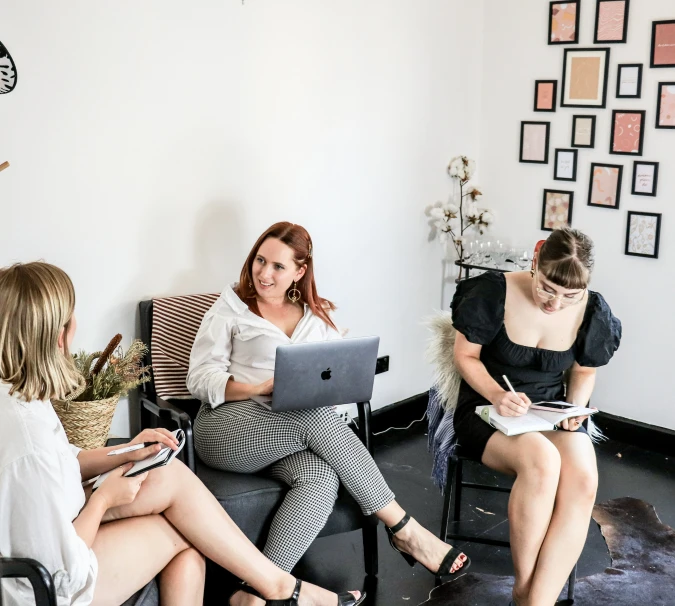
(509, 404)
(117, 490)
(163, 436)
(263, 389)
(573, 423)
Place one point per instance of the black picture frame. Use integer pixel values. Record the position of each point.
(618, 81)
(643, 113)
(575, 153)
(576, 24)
(568, 52)
(619, 181)
(655, 179)
(554, 101)
(655, 25)
(569, 210)
(574, 131)
(624, 36)
(658, 106)
(548, 141)
(657, 238)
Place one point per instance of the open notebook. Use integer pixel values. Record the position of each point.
(541, 416)
(163, 457)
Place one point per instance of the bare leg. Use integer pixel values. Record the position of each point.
(536, 463)
(130, 553)
(568, 528)
(194, 513)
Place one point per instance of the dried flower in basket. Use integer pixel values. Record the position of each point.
(112, 372)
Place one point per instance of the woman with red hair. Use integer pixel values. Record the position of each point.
(276, 303)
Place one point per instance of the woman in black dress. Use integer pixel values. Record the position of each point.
(534, 327)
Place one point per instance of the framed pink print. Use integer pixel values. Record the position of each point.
(604, 189)
(534, 142)
(627, 132)
(585, 73)
(611, 21)
(545, 94)
(663, 44)
(563, 22)
(557, 209)
(665, 109)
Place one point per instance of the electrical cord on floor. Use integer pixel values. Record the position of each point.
(379, 433)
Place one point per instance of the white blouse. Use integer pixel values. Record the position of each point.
(234, 342)
(40, 496)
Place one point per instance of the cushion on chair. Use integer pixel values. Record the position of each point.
(148, 596)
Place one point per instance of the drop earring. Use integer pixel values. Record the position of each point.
(294, 294)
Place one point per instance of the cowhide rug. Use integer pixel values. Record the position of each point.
(642, 572)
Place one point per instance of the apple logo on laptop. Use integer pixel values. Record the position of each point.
(325, 375)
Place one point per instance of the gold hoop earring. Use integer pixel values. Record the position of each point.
(294, 294)
(532, 271)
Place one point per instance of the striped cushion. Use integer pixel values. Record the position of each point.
(175, 322)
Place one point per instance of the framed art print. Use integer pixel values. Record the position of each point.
(629, 81)
(605, 187)
(557, 209)
(565, 165)
(665, 109)
(534, 142)
(628, 132)
(545, 95)
(611, 21)
(563, 22)
(583, 131)
(645, 178)
(643, 233)
(584, 82)
(663, 44)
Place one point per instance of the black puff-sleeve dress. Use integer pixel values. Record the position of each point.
(478, 313)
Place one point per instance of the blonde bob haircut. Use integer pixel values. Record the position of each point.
(37, 301)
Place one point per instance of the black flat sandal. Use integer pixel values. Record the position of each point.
(344, 599)
(448, 560)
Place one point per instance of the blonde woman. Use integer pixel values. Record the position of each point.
(103, 547)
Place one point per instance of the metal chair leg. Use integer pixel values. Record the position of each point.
(447, 497)
(370, 554)
(459, 472)
(571, 582)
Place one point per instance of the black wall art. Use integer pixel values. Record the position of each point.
(8, 75)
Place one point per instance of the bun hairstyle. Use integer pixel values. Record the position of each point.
(566, 258)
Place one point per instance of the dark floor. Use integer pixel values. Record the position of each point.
(337, 562)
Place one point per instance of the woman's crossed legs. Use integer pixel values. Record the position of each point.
(173, 522)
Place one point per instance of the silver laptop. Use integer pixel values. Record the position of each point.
(327, 373)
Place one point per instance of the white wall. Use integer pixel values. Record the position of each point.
(150, 144)
(637, 384)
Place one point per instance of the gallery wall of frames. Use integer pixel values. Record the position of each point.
(582, 91)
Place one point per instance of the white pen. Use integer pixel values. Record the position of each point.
(513, 391)
(127, 449)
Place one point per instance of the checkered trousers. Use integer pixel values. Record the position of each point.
(310, 450)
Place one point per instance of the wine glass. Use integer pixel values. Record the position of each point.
(523, 258)
(487, 249)
(499, 252)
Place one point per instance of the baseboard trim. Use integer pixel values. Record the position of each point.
(636, 433)
(633, 433)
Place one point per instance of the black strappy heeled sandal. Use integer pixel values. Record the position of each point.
(243, 586)
(448, 560)
(344, 599)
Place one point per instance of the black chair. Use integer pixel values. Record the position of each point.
(453, 501)
(251, 500)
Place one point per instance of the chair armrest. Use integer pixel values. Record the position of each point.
(365, 425)
(166, 411)
(36, 573)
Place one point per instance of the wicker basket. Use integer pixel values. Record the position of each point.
(87, 424)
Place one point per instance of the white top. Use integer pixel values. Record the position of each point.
(234, 342)
(40, 496)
